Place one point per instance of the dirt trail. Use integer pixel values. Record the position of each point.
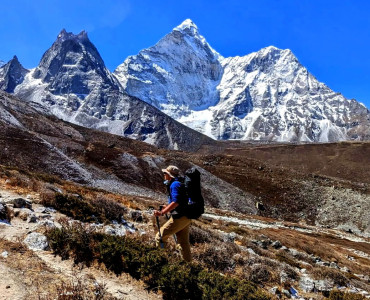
(12, 278)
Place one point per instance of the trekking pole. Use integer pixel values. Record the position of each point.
(159, 233)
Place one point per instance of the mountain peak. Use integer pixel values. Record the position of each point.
(64, 35)
(188, 26)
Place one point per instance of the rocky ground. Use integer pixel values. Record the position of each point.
(284, 258)
(26, 261)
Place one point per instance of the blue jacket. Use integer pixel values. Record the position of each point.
(177, 194)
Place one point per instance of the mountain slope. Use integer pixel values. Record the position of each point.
(266, 95)
(11, 75)
(72, 83)
(44, 144)
(177, 75)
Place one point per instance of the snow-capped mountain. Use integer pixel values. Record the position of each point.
(266, 95)
(177, 75)
(11, 75)
(2, 63)
(73, 83)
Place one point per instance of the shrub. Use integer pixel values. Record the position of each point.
(338, 295)
(176, 279)
(217, 256)
(97, 210)
(328, 273)
(199, 235)
(260, 273)
(283, 256)
(108, 208)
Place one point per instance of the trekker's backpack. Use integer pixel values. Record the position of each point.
(195, 199)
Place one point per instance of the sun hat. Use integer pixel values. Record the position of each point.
(173, 171)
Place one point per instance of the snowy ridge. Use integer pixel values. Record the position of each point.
(73, 83)
(266, 95)
(178, 75)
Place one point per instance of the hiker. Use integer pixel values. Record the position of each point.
(178, 223)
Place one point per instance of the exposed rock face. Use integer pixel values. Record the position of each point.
(73, 83)
(11, 75)
(266, 95)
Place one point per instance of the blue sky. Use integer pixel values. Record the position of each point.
(330, 38)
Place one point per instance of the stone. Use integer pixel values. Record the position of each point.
(32, 218)
(323, 285)
(344, 269)
(118, 230)
(47, 223)
(45, 212)
(4, 212)
(286, 293)
(136, 215)
(275, 291)
(24, 213)
(283, 277)
(36, 241)
(229, 237)
(334, 265)
(276, 244)
(21, 203)
(4, 254)
(306, 284)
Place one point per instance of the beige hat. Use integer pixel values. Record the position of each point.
(173, 171)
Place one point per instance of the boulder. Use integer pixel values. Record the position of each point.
(21, 203)
(323, 285)
(36, 241)
(307, 284)
(4, 214)
(23, 213)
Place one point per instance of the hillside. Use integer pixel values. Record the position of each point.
(109, 186)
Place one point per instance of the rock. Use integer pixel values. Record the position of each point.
(334, 265)
(283, 277)
(276, 244)
(36, 241)
(136, 215)
(284, 248)
(24, 213)
(32, 218)
(118, 230)
(21, 203)
(344, 269)
(251, 251)
(4, 254)
(4, 215)
(275, 291)
(306, 284)
(286, 293)
(323, 285)
(47, 223)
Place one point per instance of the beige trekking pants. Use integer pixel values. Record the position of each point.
(180, 227)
